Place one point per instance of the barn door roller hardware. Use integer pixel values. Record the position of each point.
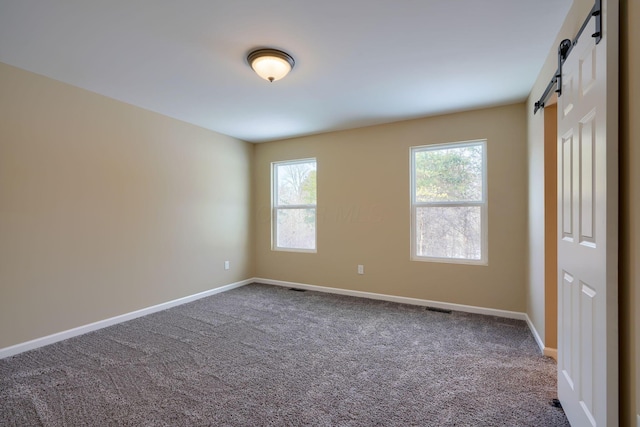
(565, 48)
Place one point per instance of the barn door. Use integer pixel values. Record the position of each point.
(587, 229)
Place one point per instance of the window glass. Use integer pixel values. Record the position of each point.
(294, 205)
(448, 203)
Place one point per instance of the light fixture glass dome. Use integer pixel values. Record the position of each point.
(270, 64)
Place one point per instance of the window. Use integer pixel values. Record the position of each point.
(449, 203)
(294, 205)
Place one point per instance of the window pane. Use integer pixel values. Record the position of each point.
(296, 183)
(296, 228)
(449, 232)
(449, 174)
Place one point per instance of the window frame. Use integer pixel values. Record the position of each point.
(483, 204)
(275, 207)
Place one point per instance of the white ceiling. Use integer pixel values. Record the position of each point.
(358, 62)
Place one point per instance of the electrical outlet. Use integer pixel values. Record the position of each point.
(226, 265)
(360, 269)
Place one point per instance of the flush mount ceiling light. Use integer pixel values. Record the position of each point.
(271, 64)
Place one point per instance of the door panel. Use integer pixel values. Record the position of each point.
(587, 207)
(565, 356)
(566, 182)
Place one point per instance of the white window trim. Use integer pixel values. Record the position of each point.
(275, 207)
(484, 260)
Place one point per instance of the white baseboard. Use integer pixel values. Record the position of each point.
(551, 352)
(535, 333)
(547, 351)
(50, 339)
(398, 299)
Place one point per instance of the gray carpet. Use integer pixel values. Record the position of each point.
(267, 356)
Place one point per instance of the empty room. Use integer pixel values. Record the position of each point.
(352, 213)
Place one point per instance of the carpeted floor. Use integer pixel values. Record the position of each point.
(267, 356)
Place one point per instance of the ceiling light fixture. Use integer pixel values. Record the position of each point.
(271, 64)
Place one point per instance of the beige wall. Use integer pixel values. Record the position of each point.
(629, 213)
(535, 153)
(629, 254)
(364, 213)
(550, 227)
(106, 208)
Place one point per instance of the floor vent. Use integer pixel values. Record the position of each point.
(439, 310)
(297, 290)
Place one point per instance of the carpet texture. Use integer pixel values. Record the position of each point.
(268, 356)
